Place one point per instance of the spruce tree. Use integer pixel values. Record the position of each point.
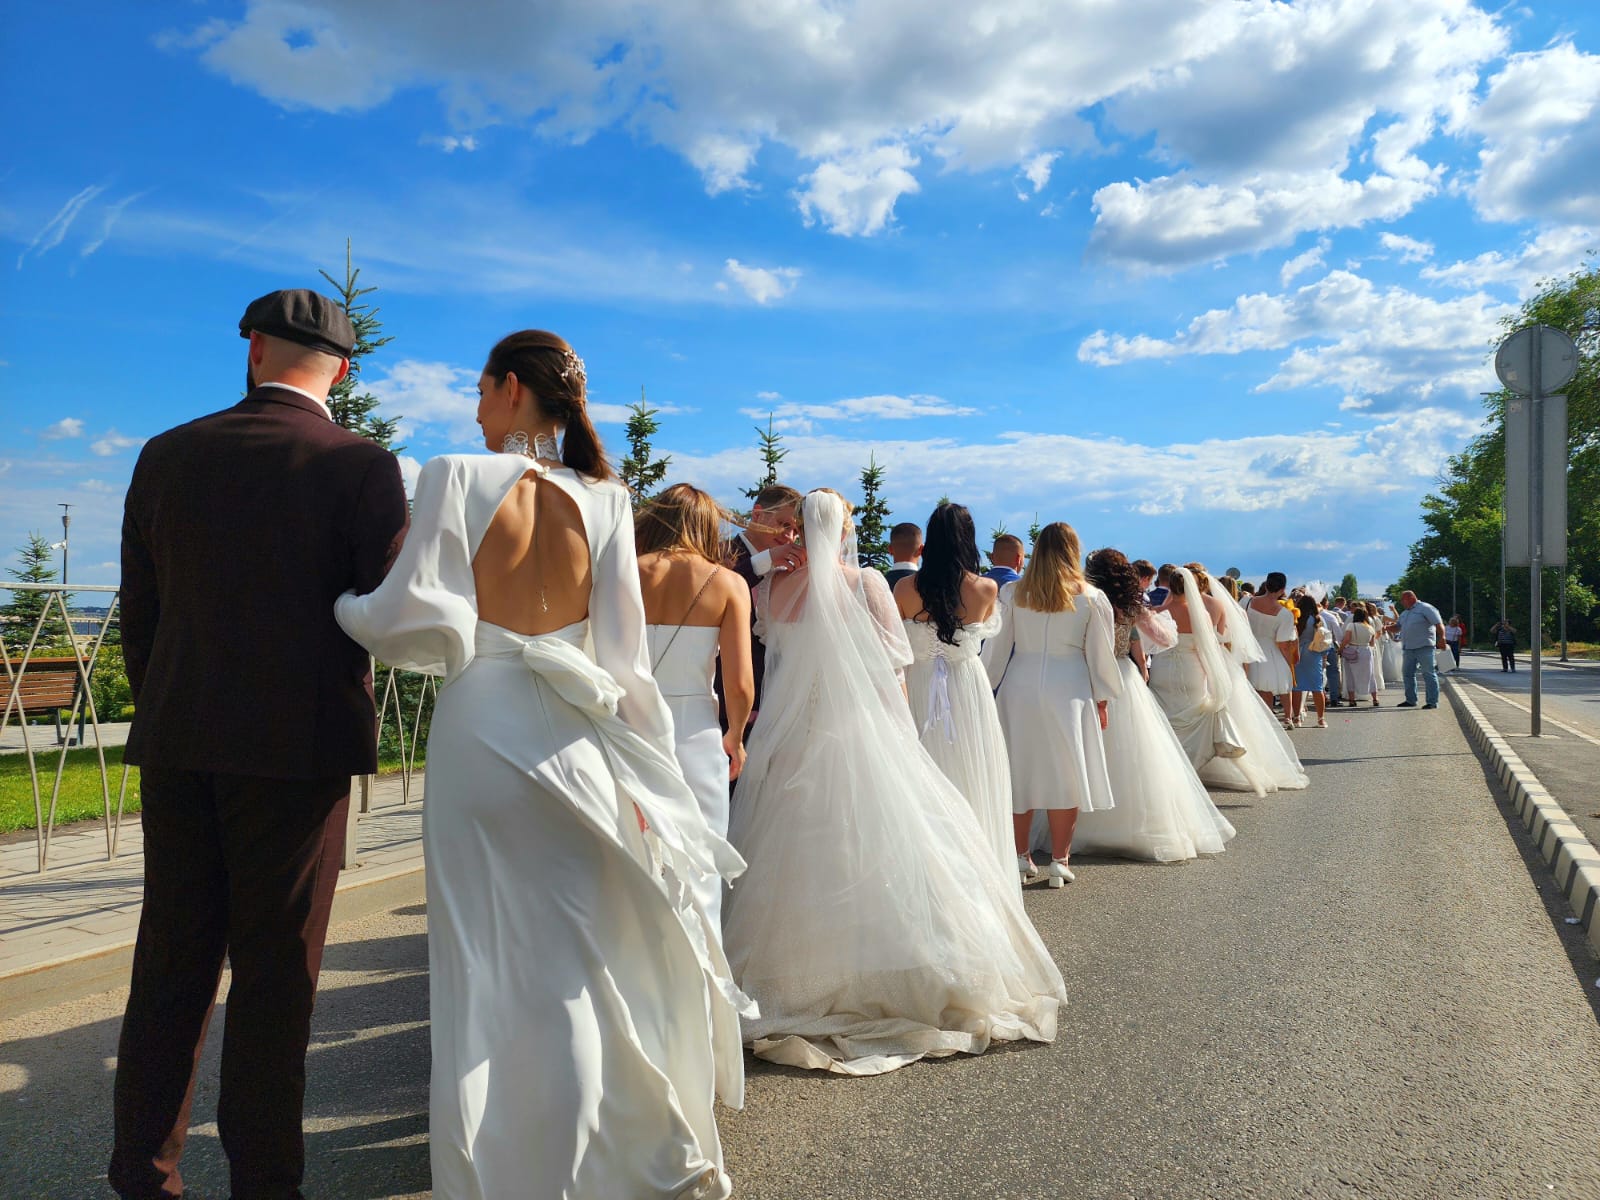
(352, 409)
(872, 518)
(26, 605)
(773, 452)
(1348, 588)
(640, 473)
(1034, 531)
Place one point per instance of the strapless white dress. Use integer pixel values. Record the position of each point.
(954, 710)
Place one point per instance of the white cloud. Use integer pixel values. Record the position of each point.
(433, 394)
(101, 487)
(108, 220)
(1373, 344)
(450, 142)
(1549, 254)
(1037, 170)
(55, 229)
(855, 194)
(67, 427)
(769, 395)
(114, 443)
(1540, 124)
(410, 468)
(803, 417)
(1308, 260)
(761, 284)
(1410, 250)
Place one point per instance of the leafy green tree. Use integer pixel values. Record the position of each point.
(356, 410)
(1348, 588)
(1462, 519)
(640, 472)
(773, 452)
(26, 607)
(872, 518)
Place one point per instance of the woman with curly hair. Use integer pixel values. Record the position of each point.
(949, 609)
(1162, 811)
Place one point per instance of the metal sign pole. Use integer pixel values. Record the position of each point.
(1536, 517)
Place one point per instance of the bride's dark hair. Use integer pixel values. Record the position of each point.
(556, 377)
(1111, 572)
(949, 554)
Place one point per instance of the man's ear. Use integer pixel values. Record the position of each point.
(344, 369)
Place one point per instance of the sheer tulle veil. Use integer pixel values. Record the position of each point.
(1242, 644)
(1209, 650)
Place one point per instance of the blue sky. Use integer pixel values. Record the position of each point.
(1208, 279)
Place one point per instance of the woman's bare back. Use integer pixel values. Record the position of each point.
(532, 570)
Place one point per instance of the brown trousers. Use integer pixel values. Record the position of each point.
(239, 867)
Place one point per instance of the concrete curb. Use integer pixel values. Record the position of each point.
(1562, 845)
(84, 973)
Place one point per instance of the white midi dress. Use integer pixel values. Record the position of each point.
(954, 709)
(1273, 673)
(1050, 670)
(582, 1013)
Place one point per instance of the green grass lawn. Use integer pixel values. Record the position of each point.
(81, 798)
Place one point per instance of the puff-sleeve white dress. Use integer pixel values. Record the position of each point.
(583, 1014)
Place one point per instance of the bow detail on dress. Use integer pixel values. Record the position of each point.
(939, 699)
(576, 677)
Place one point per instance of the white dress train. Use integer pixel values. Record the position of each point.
(954, 709)
(582, 1014)
(1162, 811)
(873, 926)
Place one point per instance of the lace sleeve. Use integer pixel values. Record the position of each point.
(886, 616)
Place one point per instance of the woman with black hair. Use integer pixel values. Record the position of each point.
(949, 609)
(1162, 812)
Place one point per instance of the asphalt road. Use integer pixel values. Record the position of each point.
(1371, 994)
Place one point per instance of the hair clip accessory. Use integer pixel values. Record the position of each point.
(572, 368)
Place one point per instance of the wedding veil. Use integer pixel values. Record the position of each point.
(1242, 643)
(1213, 660)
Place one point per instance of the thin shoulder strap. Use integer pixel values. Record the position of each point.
(686, 612)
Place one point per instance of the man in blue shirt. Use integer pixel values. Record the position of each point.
(1421, 636)
(1007, 558)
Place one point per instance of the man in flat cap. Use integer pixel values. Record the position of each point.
(253, 711)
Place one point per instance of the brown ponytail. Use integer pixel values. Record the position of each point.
(555, 375)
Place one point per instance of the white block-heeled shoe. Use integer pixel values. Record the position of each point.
(1057, 873)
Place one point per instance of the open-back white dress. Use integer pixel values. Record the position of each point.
(582, 1013)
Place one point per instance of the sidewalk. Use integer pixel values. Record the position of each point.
(70, 931)
(43, 738)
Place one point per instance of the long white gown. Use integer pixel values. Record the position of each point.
(683, 660)
(1050, 670)
(1269, 761)
(1162, 811)
(582, 1014)
(1271, 673)
(872, 927)
(953, 707)
(1391, 658)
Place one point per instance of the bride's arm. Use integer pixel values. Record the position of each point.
(421, 617)
(886, 616)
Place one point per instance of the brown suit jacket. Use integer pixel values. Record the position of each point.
(239, 531)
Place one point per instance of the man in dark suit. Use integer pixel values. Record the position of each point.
(905, 546)
(252, 712)
(767, 543)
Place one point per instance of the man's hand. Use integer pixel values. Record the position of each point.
(1100, 705)
(787, 558)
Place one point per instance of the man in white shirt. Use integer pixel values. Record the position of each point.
(1421, 637)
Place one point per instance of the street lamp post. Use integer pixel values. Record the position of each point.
(66, 537)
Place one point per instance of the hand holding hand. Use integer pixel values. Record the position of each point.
(733, 747)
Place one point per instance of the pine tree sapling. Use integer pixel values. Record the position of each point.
(872, 518)
(356, 410)
(639, 472)
(26, 607)
(773, 452)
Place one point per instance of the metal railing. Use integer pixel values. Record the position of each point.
(405, 699)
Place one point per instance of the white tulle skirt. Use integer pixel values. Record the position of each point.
(1269, 761)
(870, 927)
(1162, 811)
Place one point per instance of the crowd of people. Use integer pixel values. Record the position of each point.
(688, 795)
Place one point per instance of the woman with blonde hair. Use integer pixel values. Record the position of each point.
(1054, 665)
(696, 612)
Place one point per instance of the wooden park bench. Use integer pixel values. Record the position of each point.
(47, 685)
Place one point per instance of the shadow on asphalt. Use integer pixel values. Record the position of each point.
(366, 1096)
